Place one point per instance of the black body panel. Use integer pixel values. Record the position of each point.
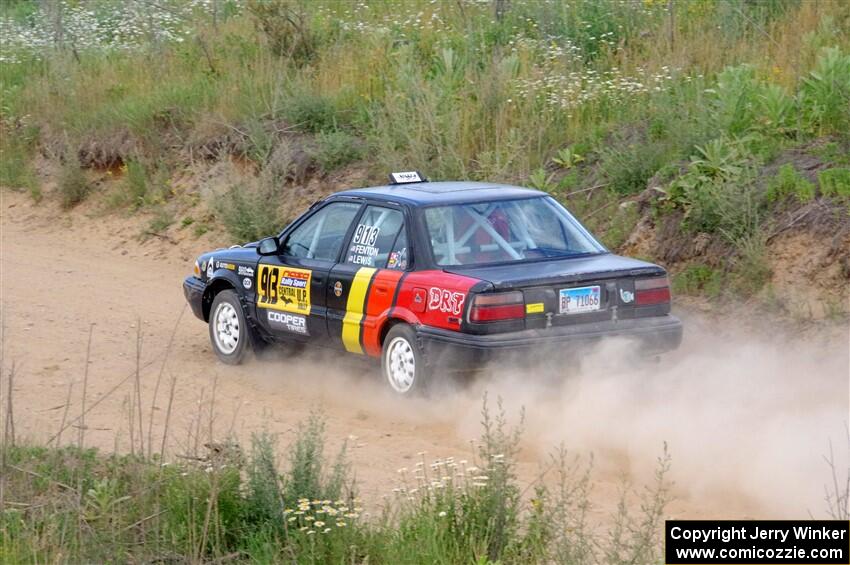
(653, 336)
(559, 271)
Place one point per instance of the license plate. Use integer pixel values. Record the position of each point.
(579, 300)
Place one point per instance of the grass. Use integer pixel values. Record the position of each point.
(73, 185)
(699, 279)
(789, 183)
(335, 150)
(697, 102)
(250, 211)
(835, 182)
(76, 504)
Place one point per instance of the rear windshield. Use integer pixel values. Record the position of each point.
(505, 231)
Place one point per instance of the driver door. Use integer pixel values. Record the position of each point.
(291, 302)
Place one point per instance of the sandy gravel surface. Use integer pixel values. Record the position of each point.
(747, 416)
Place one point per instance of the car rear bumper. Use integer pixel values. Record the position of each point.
(654, 335)
(193, 290)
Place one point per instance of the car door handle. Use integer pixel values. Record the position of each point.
(381, 289)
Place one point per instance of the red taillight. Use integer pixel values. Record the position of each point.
(652, 291)
(497, 307)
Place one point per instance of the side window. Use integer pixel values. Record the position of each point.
(321, 235)
(374, 237)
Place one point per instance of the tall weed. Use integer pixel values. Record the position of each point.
(72, 184)
(826, 93)
(250, 211)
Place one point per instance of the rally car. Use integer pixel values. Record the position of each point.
(430, 274)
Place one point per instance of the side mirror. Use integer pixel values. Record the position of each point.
(268, 246)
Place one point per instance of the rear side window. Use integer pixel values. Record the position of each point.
(375, 237)
(505, 231)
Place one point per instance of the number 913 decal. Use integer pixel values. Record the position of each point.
(284, 288)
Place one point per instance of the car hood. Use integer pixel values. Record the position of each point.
(557, 271)
(238, 255)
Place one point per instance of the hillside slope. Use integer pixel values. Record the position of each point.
(709, 136)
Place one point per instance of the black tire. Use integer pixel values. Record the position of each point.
(227, 311)
(403, 363)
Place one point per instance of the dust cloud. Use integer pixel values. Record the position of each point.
(745, 416)
(748, 417)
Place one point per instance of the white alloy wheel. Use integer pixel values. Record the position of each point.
(400, 364)
(226, 328)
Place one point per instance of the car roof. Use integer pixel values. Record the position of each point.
(424, 193)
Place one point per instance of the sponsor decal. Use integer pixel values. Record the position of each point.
(363, 250)
(246, 282)
(405, 176)
(337, 288)
(289, 322)
(398, 260)
(445, 300)
(223, 265)
(284, 288)
(245, 271)
(210, 269)
(627, 296)
(366, 235)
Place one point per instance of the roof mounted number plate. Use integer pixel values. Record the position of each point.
(406, 177)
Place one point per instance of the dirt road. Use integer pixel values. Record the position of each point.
(747, 417)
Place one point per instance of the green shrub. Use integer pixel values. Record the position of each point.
(826, 93)
(621, 225)
(258, 142)
(307, 476)
(286, 25)
(541, 180)
(750, 269)
(249, 212)
(137, 183)
(696, 279)
(163, 217)
(628, 168)
(776, 109)
(718, 191)
(15, 169)
(335, 150)
(310, 112)
(736, 99)
(833, 152)
(73, 185)
(264, 503)
(788, 182)
(835, 182)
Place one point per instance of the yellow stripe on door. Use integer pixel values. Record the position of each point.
(354, 309)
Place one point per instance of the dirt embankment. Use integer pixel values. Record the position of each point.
(801, 258)
(747, 413)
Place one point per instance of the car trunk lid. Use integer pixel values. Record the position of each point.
(575, 290)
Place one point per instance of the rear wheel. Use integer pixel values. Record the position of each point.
(229, 331)
(402, 362)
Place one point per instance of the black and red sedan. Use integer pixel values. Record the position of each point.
(429, 274)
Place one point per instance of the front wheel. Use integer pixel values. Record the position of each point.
(229, 332)
(402, 362)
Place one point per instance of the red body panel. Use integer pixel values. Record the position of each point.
(378, 305)
(431, 298)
